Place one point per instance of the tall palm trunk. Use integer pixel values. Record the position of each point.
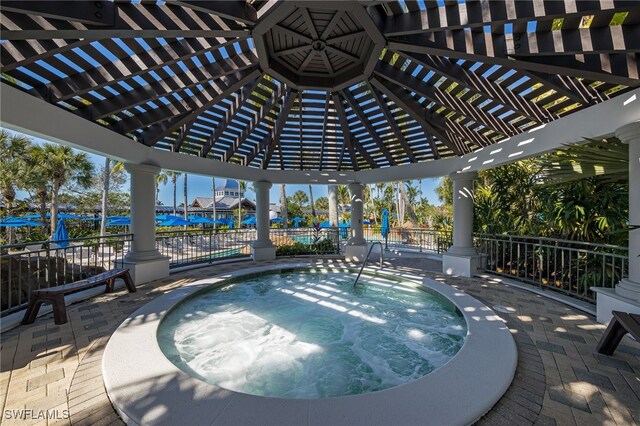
(105, 194)
(9, 195)
(184, 198)
(407, 205)
(283, 206)
(42, 198)
(214, 213)
(174, 180)
(333, 204)
(239, 205)
(313, 206)
(55, 189)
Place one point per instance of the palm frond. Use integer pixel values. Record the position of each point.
(608, 158)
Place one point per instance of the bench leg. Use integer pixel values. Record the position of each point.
(110, 284)
(59, 310)
(129, 282)
(32, 311)
(611, 337)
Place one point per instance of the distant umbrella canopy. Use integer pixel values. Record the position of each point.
(48, 216)
(200, 220)
(178, 221)
(17, 222)
(123, 221)
(249, 221)
(361, 84)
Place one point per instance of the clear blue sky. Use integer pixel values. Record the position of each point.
(200, 186)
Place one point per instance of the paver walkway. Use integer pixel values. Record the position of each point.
(51, 374)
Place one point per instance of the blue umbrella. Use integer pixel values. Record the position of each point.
(176, 222)
(61, 234)
(198, 219)
(15, 223)
(220, 222)
(296, 221)
(276, 220)
(249, 221)
(384, 231)
(366, 222)
(60, 216)
(324, 224)
(167, 217)
(230, 223)
(119, 222)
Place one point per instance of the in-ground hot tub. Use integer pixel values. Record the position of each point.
(298, 346)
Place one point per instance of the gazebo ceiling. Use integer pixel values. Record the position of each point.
(321, 85)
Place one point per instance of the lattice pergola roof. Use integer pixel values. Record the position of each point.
(321, 85)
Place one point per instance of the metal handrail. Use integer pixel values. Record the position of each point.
(367, 257)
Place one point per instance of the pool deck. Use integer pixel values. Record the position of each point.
(54, 371)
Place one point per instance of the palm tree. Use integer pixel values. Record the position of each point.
(38, 181)
(300, 198)
(184, 198)
(162, 178)
(242, 186)
(607, 157)
(106, 180)
(311, 203)
(14, 152)
(214, 213)
(407, 201)
(332, 191)
(283, 206)
(174, 180)
(64, 166)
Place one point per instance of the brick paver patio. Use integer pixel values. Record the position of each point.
(54, 371)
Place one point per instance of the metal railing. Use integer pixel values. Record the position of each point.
(571, 267)
(209, 245)
(420, 239)
(42, 264)
(364, 262)
(204, 245)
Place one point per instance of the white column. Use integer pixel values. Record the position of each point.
(356, 190)
(144, 260)
(462, 257)
(626, 296)
(356, 248)
(332, 195)
(630, 286)
(463, 214)
(262, 248)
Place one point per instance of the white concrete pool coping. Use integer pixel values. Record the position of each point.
(147, 389)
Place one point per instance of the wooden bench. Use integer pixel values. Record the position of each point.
(621, 324)
(55, 295)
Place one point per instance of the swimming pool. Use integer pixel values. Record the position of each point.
(306, 333)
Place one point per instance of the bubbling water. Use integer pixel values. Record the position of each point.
(301, 334)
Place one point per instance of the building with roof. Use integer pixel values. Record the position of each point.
(228, 195)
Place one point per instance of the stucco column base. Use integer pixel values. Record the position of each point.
(263, 253)
(355, 252)
(608, 299)
(461, 264)
(146, 270)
